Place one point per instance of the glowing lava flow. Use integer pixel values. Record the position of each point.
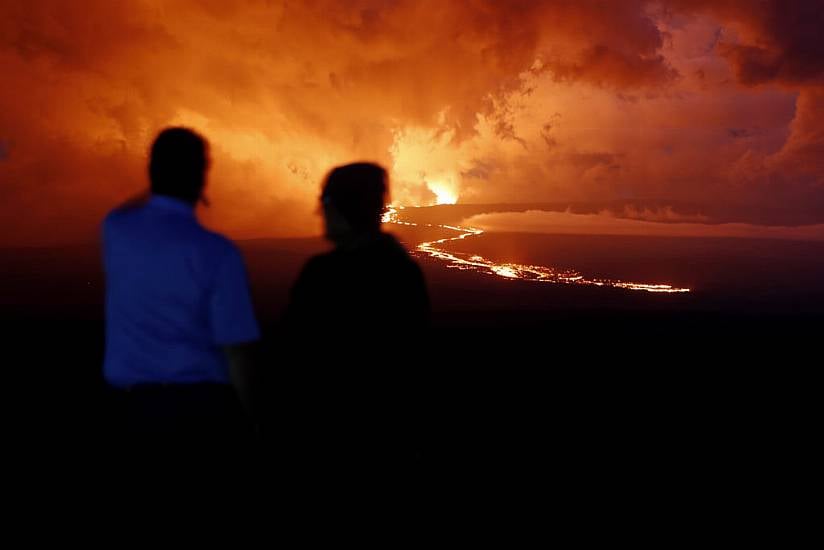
(535, 273)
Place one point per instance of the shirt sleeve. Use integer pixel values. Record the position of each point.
(231, 312)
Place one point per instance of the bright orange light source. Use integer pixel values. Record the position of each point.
(443, 193)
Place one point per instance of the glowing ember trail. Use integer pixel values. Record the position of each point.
(541, 274)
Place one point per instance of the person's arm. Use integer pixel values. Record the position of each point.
(234, 327)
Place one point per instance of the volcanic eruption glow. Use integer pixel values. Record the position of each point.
(443, 193)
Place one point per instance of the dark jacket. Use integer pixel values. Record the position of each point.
(355, 317)
(372, 284)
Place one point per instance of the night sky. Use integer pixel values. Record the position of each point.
(714, 104)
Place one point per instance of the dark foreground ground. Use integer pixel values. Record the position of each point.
(514, 382)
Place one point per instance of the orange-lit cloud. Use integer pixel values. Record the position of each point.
(717, 103)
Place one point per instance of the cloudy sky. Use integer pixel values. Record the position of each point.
(718, 104)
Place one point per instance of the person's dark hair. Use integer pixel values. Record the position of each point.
(358, 192)
(178, 164)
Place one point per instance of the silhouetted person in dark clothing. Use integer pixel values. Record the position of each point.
(178, 309)
(368, 281)
(354, 316)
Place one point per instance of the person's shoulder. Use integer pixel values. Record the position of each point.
(217, 240)
(320, 262)
(119, 213)
(398, 250)
(219, 246)
(130, 207)
(408, 265)
(412, 269)
(120, 216)
(112, 219)
(320, 267)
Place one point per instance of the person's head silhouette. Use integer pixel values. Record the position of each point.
(178, 164)
(353, 199)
